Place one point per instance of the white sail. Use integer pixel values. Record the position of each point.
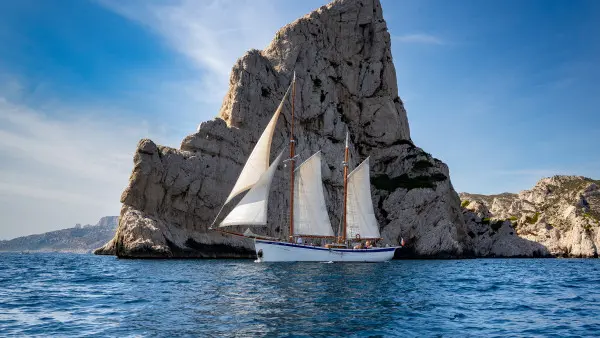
(252, 209)
(258, 162)
(360, 214)
(310, 211)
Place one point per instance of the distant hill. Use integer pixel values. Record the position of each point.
(80, 239)
(559, 216)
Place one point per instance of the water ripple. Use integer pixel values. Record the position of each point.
(84, 295)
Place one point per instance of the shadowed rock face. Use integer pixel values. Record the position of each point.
(345, 81)
(559, 216)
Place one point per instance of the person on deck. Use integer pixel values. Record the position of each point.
(299, 240)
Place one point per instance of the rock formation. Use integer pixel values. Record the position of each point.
(345, 81)
(560, 216)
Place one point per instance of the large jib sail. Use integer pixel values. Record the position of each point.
(310, 211)
(256, 176)
(361, 221)
(252, 209)
(258, 161)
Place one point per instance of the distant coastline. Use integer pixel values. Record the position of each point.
(79, 239)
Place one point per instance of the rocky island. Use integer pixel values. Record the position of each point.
(346, 80)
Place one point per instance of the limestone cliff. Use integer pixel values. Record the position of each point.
(345, 81)
(559, 216)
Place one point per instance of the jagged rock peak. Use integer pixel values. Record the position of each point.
(341, 54)
(346, 80)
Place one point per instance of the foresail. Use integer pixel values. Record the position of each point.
(361, 219)
(258, 161)
(252, 209)
(310, 211)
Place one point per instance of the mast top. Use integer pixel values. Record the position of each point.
(347, 137)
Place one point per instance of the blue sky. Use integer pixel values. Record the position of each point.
(505, 92)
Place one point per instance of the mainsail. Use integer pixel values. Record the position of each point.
(361, 219)
(310, 211)
(258, 162)
(252, 209)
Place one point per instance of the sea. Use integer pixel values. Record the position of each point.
(77, 295)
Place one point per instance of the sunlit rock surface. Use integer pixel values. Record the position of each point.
(559, 216)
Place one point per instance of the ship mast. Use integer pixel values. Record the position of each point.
(345, 164)
(292, 160)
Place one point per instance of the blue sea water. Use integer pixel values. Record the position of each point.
(84, 295)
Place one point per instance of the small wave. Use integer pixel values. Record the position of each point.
(571, 299)
(459, 316)
(136, 301)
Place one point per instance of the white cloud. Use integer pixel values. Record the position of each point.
(48, 194)
(211, 34)
(74, 162)
(419, 38)
(63, 163)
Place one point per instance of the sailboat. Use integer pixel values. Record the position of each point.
(309, 218)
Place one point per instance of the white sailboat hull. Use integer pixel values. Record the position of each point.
(272, 251)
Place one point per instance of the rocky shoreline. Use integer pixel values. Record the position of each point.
(560, 214)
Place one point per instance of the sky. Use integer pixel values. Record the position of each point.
(504, 92)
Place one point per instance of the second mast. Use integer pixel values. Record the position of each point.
(292, 160)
